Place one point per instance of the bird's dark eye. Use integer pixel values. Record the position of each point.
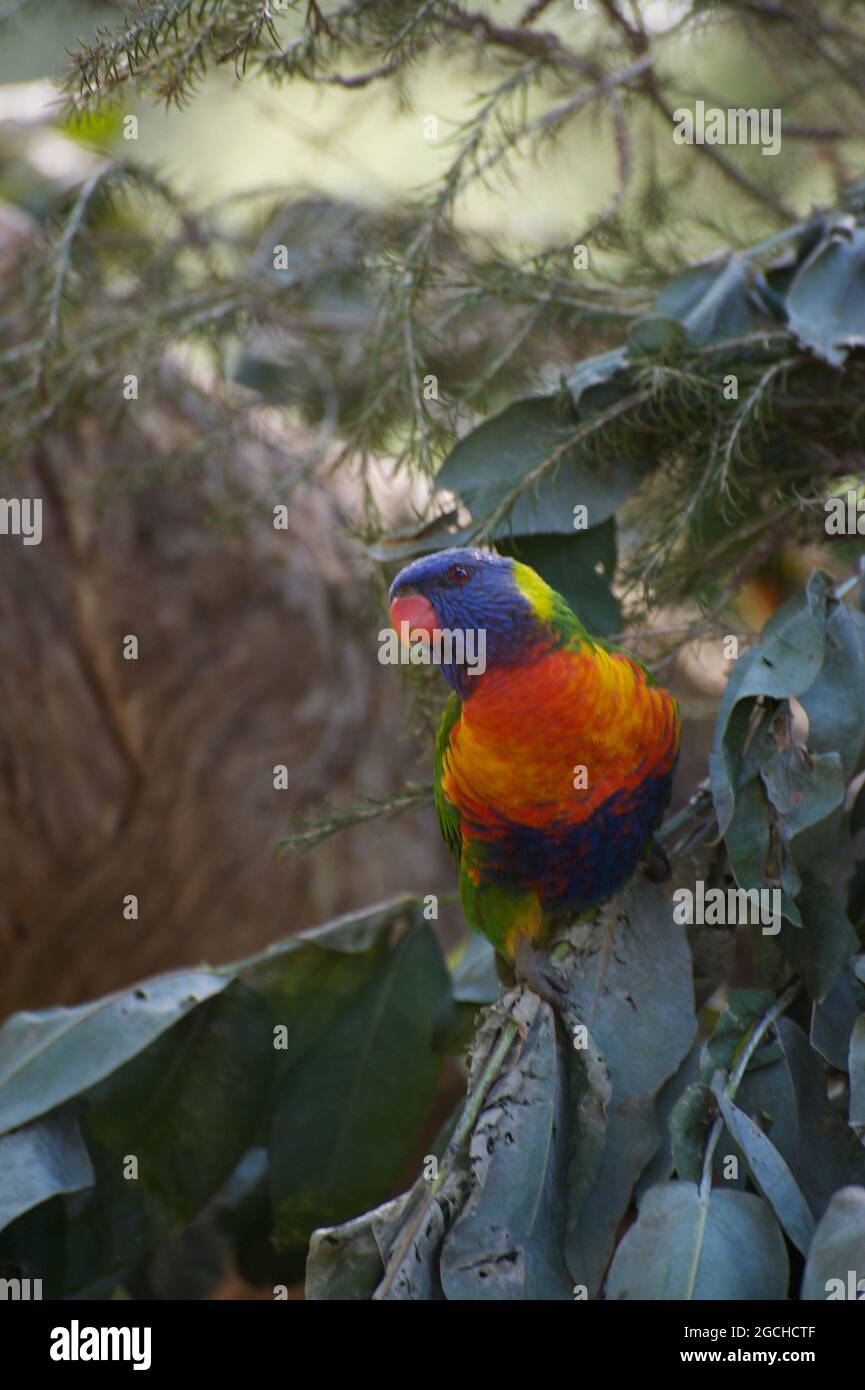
(457, 574)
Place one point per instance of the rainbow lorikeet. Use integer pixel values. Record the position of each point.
(553, 764)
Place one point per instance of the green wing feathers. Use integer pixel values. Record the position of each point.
(449, 816)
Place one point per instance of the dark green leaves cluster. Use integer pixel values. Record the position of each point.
(780, 774)
(317, 1055)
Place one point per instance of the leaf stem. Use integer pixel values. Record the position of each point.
(474, 1102)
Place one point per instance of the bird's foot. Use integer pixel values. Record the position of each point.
(655, 862)
(535, 969)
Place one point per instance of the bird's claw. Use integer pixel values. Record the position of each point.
(536, 970)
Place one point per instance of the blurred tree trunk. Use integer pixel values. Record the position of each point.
(154, 777)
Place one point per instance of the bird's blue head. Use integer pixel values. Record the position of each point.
(499, 607)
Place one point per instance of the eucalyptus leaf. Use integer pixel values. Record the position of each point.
(656, 336)
(662, 1166)
(167, 1131)
(767, 1095)
(830, 1156)
(786, 662)
(835, 1268)
(345, 1262)
(595, 371)
(47, 1058)
(834, 1017)
(632, 987)
(722, 298)
(691, 1245)
(494, 459)
(580, 567)
(474, 979)
(826, 940)
(769, 1173)
(410, 1239)
(506, 1242)
(589, 1093)
(347, 1110)
(826, 301)
(835, 702)
(46, 1157)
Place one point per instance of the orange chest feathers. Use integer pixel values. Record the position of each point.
(552, 740)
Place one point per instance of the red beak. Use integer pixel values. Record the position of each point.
(415, 610)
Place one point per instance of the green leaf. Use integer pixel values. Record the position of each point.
(589, 1093)
(186, 1110)
(835, 702)
(188, 1106)
(580, 567)
(837, 1249)
(819, 948)
(833, 1019)
(594, 372)
(656, 337)
(826, 301)
(350, 1105)
(41, 1160)
(487, 464)
(723, 298)
(661, 1167)
(312, 980)
(779, 806)
(749, 834)
(506, 1242)
(804, 788)
(35, 1244)
(353, 934)
(241, 1211)
(688, 1245)
(641, 1018)
(345, 1262)
(766, 1094)
(729, 782)
(47, 1058)
(474, 979)
(439, 534)
(769, 1172)
(786, 662)
(830, 1156)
